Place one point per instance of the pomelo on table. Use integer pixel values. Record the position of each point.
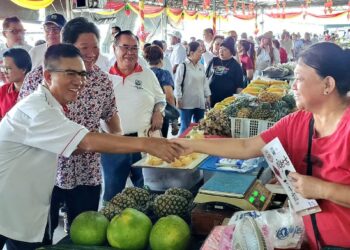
(129, 230)
(89, 228)
(170, 233)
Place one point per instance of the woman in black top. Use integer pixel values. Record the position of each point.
(224, 72)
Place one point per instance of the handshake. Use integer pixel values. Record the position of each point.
(167, 150)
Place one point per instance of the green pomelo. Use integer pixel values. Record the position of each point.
(89, 228)
(129, 230)
(170, 233)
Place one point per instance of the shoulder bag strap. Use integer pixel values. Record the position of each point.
(183, 79)
(309, 172)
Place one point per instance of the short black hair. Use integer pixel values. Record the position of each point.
(8, 20)
(192, 47)
(77, 26)
(20, 57)
(158, 43)
(126, 33)
(117, 28)
(328, 59)
(209, 30)
(57, 51)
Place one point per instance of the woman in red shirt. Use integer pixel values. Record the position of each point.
(283, 52)
(247, 57)
(16, 64)
(316, 137)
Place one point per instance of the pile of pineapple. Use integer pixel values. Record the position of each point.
(175, 201)
(261, 100)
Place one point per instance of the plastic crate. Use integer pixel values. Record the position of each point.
(244, 127)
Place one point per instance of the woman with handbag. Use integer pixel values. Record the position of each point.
(317, 140)
(192, 91)
(154, 56)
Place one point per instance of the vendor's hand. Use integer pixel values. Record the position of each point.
(156, 121)
(207, 102)
(164, 149)
(185, 144)
(308, 186)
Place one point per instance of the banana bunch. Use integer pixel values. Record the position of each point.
(33, 5)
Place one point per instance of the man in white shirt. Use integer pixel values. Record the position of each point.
(208, 36)
(52, 29)
(178, 54)
(35, 132)
(140, 101)
(13, 31)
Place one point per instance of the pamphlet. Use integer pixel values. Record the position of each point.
(281, 165)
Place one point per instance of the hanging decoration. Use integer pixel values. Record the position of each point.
(251, 8)
(226, 6)
(206, 4)
(328, 6)
(214, 22)
(33, 4)
(278, 7)
(284, 9)
(141, 33)
(348, 15)
(127, 10)
(234, 7)
(243, 8)
(185, 4)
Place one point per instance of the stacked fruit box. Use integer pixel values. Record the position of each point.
(256, 108)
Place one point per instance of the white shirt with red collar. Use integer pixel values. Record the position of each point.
(32, 134)
(136, 94)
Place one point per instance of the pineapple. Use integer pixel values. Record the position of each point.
(110, 210)
(123, 201)
(167, 204)
(180, 192)
(244, 113)
(140, 195)
(265, 96)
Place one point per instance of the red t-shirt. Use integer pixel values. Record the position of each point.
(246, 62)
(283, 55)
(8, 98)
(331, 162)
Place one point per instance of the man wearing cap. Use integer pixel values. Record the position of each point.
(52, 29)
(178, 55)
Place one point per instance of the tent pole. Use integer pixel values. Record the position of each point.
(165, 22)
(69, 10)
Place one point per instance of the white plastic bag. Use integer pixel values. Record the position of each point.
(282, 228)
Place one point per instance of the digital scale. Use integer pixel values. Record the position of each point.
(243, 191)
(223, 195)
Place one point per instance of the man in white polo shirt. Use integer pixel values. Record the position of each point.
(35, 132)
(140, 101)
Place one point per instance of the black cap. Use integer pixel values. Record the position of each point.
(56, 19)
(229, 43)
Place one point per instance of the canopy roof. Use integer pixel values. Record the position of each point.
(219, 4)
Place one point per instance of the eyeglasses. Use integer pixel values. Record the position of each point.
(4, 69)
(71, 73)
(15, 32)
(49, 29)
(132, 49)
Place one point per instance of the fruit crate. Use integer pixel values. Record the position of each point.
(244, 127)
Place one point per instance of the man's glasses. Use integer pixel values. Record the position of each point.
(15, 32)
(132, 49)
(4, 69)
(49, 29)
(71, 73)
